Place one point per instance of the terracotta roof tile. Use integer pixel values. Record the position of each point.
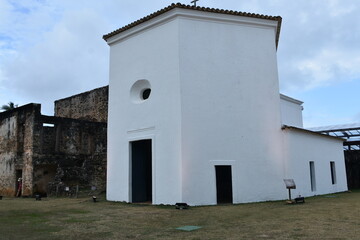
(197, 8)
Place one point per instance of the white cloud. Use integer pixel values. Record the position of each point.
(340, 8)
(51, 49)
(69, 58)
(329, 65)
(319, 45)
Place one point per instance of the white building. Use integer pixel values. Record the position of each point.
(195, 114)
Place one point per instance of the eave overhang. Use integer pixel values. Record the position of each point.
(286, 127)
(179, 9)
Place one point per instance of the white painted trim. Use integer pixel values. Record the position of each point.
(153, 165)
(130, 172)
(290, 99)
(141, 130)
(232, 164)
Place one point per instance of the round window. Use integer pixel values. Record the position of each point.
(146, 93)
(140, 91)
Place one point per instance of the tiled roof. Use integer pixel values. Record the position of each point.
(203, 9)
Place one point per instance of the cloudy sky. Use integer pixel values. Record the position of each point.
(51, 49)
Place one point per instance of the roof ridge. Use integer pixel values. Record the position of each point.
(184, 6)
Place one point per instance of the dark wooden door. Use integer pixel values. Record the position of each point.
(141, 171)
(223, 184)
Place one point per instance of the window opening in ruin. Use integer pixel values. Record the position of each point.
(18, 185)
(87, 143)
(44, 176)
(48, 125)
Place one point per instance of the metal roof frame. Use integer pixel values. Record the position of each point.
(349, 132)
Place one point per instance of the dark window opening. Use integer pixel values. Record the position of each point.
(333, 172)
(18, 185)
(146, 93)
(312, 176)
(43, 175)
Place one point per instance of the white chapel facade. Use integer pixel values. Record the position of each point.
(195, 114)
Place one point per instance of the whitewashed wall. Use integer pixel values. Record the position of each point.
(214, 101)
(303, 147)
(291, 111)
(152, 55)
(230, 106)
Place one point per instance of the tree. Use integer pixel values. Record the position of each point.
(9, 106)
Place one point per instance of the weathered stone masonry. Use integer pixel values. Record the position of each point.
(91, 105)
(16, 140)
(46, 149)
(72, 152)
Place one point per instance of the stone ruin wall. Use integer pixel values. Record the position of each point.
(91, 105)
(16, 140)
(74, 154)
(8, 153)
(48, 149)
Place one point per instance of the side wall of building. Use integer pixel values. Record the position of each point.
(91, 105)
(69, 151)
(291, 111)
(146, 60)
(8, 155)
(230, 108)
(45, 150)
(303, 149)
(16, 149)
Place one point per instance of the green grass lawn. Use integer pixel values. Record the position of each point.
(323, 217)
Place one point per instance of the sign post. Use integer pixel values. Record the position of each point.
(290, 184)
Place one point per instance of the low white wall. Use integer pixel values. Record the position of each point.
(300, 148)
